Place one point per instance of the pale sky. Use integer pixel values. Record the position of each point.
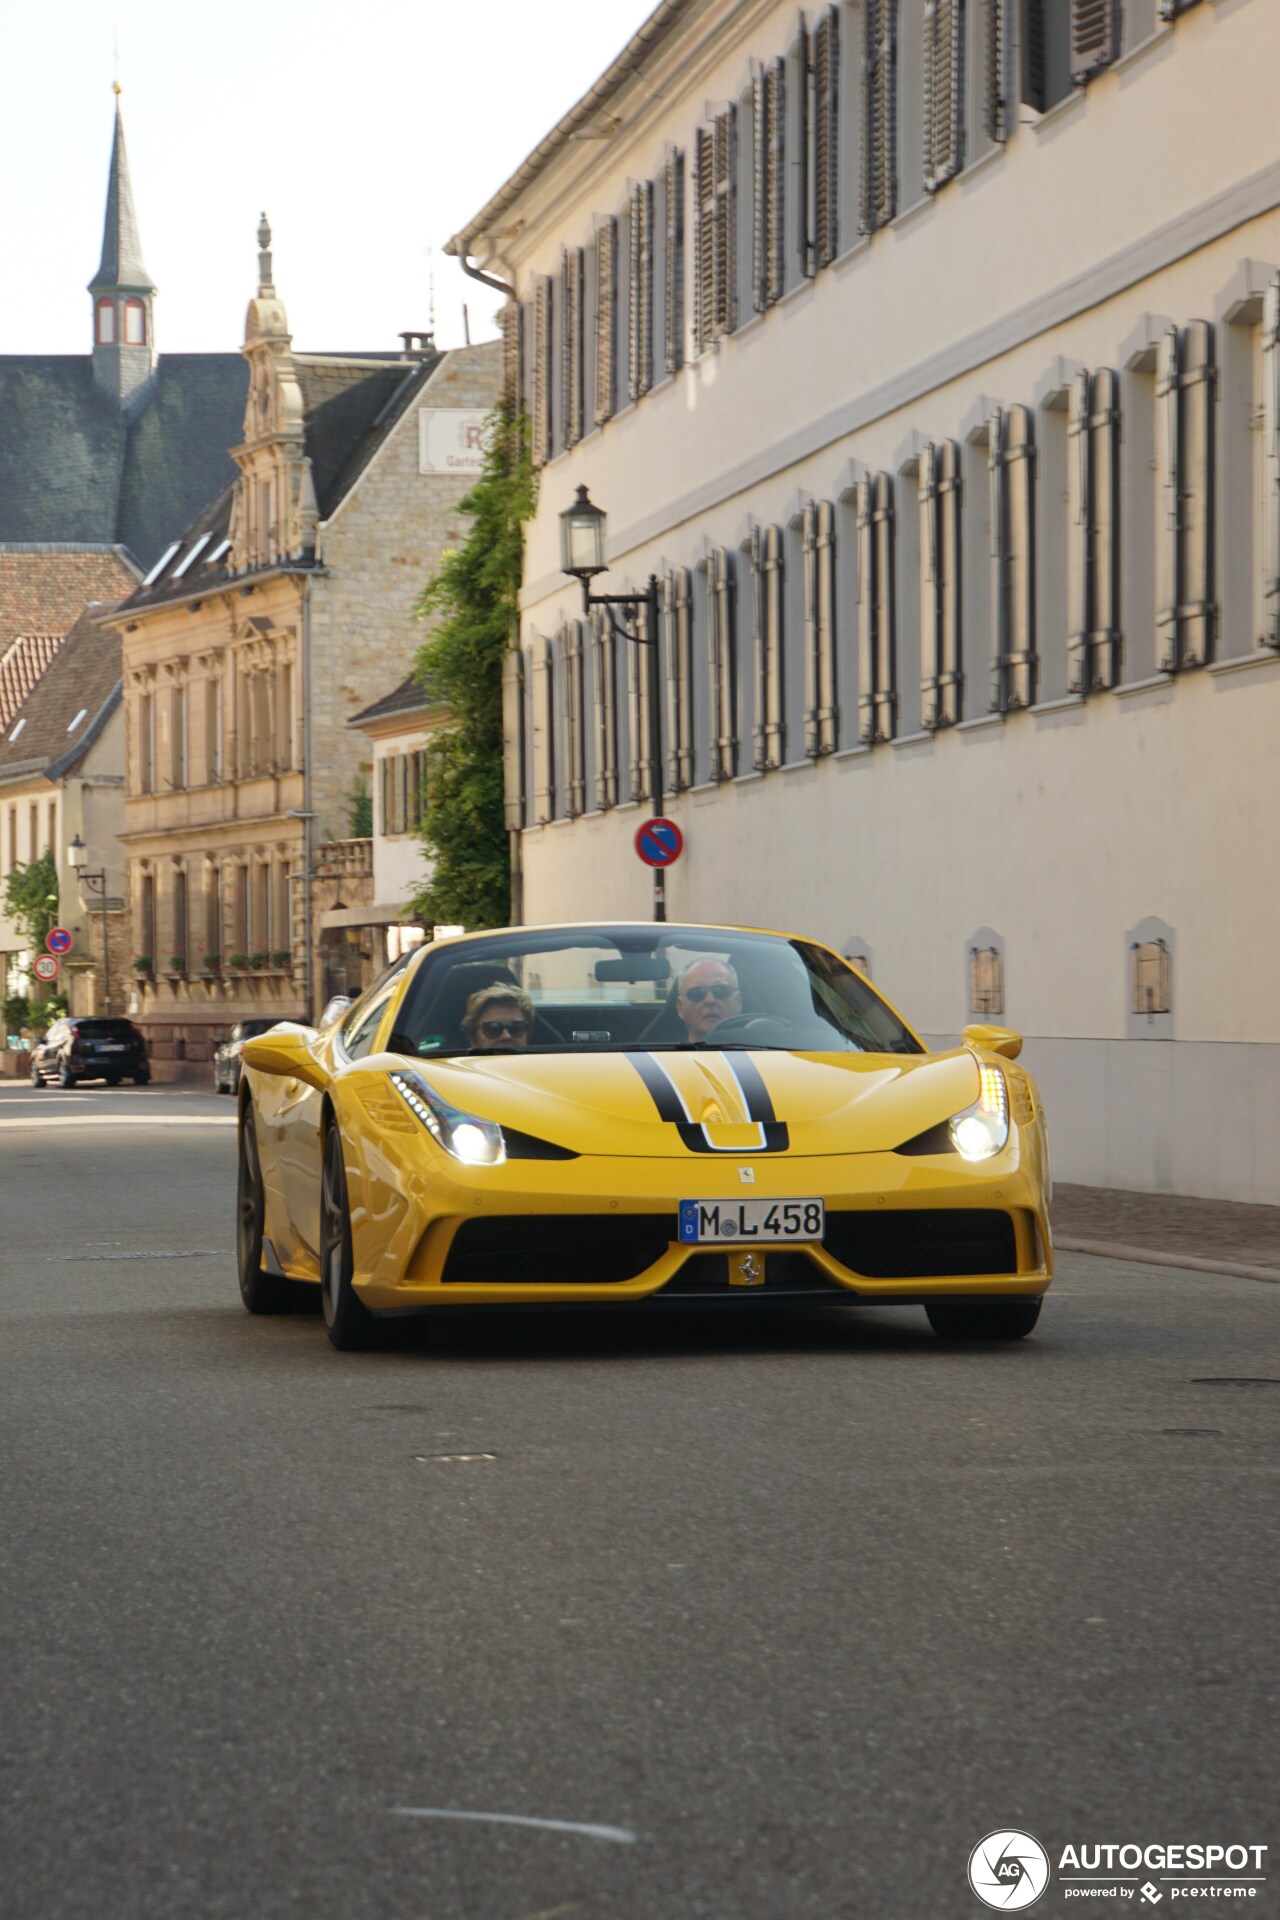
(369, 132)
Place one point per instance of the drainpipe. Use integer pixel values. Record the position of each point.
(308, 818)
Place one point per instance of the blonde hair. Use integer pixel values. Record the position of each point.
(486, 996)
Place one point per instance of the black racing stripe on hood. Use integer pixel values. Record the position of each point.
(776, 1140)
(665, 1098)
(750, 1079)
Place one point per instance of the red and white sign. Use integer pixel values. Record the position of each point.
(46, 966)
(58, 940)
(659, 842)
(451, 440)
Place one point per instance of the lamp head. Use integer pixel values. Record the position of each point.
(582, 538)
(75, 854)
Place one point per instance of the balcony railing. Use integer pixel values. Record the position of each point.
(344, 860)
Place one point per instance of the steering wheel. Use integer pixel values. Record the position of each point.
(750, 1026)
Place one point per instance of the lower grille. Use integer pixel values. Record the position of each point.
(910, 1244)
(558, 1249)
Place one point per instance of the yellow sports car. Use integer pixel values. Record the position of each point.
(638, 1112)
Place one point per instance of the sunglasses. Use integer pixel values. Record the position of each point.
(494, 1029)
(718, 992)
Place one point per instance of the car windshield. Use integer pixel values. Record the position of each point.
(615, 988)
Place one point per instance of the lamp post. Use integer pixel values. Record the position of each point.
(582, 544)
(96, 882)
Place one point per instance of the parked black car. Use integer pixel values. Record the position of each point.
(90, 1049)
(226, 1059)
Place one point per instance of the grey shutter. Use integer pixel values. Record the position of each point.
(879, 172)
(760, 648)
(673, 317)
(1012, 466)
(543, 723)
(804, 124)
(819, 629)
(773, 576)
(637, 720)
(678, 644)
(1169, 519)
(950, 604)
(1079, 524)
(866, 613)
(724, 170)
(886, 696)
(1271, 465)
(759, 189)
(574, 743)
(724, 666)
(930, 584)
(606, 318)
(943, 91)
(640, 305)
(1104, 530)
(542, 372)
(994, 55)
(512, 318)
(1033, 54)
(605, 683)
(1197, 382)
(1095, 33)
(775, 182)
(571, 368)
(703, 238)
(826, 138)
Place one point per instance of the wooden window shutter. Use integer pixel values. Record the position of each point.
(724, 146)
(542, 372)
(606, 318)
(1095, 33)
(703, 238)
(930, 582)
(879, 171)
(776, 182)
(995, 122)
(943, 91)
(1012, 468)
(673, 315)
(804, 249)
(950, 602)
(1104, 530)
(571, 358)
(819, 629)
(760, 646)
(1079, 524)
(512, 320)
(1197, 382)
(638, 695)
(388, 793)
(1271, 465)
(605, 679)
(724, 666)
(575, 780)
(678, 648)
(513, 767)
(826, 138)
(543, 729)
(771, 667)
(886, 694)
(640, 306)
(759, 189)
(1169, 519)
(866, 613)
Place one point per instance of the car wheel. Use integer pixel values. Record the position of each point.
(142, 1079)
(261, 1292)
(113, 1079)
(349, 1321)
(36, 1080)
(983, 1319)
(65, 1077)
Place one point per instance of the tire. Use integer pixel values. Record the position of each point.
(261, 1292)
(36, 1081)
(66, 1079)
(142, 1079)
(113, 1079)
(983, 1319)
(349, 1322)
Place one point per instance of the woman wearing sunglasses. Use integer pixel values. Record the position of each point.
(498, 1016)
(706, 993)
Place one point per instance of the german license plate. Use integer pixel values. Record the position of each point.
(113, 1046)
(753, 1221)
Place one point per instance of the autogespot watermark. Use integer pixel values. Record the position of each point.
(1009, 1870)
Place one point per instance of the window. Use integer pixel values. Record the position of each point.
(542, 713)
(240, 910)
(260, 909)
(285, 757)
(361, 1029)
(821, 711)
(33, 832)
(823, 212)
(677, 624)
(1011, 470)
(604, 679)
(146, 743)
(180, 919)
(1185, 384)
(135, 324)
(1093, 520)
(213, 730)
(541, 423)
(178, 736)
(944, 26)
(51, 825)
(147, 918)
(879, 114)
(513, 737)
(1046, 44)
(940, 605)
(213, 909)
(640, 297)
(769, 134)
(13, 840)
(106, 323)
(575, 759)
(281, 915)
(606, 319)
(715, 218)
(640, 664)
(768, 604)
(673, 276)
(877, 695)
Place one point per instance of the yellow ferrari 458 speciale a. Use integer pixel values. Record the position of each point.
(638, 1113)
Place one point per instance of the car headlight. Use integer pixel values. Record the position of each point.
(982, 1129)
(476, 1142)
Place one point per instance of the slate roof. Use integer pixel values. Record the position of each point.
(121, 263)
(411, 696)
(76, 467)
(84, 676)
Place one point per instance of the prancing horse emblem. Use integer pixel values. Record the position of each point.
(746, 1270)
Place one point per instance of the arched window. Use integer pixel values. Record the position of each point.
(135, 324)
(106, 323)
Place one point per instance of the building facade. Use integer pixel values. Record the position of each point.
(928, 354)
(259, 632)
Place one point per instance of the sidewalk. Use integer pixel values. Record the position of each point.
(1216, 1236)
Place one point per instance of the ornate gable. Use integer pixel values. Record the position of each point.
(274, 514)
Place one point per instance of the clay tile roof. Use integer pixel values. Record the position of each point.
(21, 664)
(43, 587)
(83, 678)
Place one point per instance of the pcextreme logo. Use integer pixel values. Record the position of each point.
(1009, 1870)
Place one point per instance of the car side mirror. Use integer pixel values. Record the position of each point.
(286, 1051)
(1001, 1040)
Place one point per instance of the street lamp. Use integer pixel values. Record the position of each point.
(582, 546)
(97, 883)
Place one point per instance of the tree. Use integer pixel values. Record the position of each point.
(475, 597)
(31, 898)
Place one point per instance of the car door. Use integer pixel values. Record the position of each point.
(51, 1046)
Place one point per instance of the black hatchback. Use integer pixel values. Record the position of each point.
(90, 1049)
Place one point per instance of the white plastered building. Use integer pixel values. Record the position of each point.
(926, 352)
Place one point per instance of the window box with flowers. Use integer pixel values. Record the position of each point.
(177, 963)
(238, 962)
(282, 957)
(142, 963)
(257, 962)
(211, 962)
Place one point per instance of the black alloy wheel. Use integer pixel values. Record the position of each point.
(993, 1319)
(261, 1292)
(350, 1324)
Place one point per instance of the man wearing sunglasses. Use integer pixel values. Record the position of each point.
(706, 993)
(498, 1016)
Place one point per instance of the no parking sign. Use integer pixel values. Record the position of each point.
(659, 842)
(58, 940)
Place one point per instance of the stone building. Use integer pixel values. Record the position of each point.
(927, 354)
(258, 633)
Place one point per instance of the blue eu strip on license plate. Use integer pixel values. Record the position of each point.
(759, 1221)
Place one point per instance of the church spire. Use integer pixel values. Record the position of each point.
(122, 289)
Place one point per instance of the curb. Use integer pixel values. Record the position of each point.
(1147, 1256)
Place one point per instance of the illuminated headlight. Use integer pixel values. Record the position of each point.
(477, 1143)
(982, 1129)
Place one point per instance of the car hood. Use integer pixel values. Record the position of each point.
(663, 1104)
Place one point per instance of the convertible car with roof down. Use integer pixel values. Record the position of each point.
(639, 1113)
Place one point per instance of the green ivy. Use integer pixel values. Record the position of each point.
(31, 899)
(360, 811)
(474, 597)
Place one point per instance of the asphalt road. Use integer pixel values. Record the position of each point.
(783, 1613)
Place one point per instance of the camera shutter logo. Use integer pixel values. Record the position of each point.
(1008, 1870)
